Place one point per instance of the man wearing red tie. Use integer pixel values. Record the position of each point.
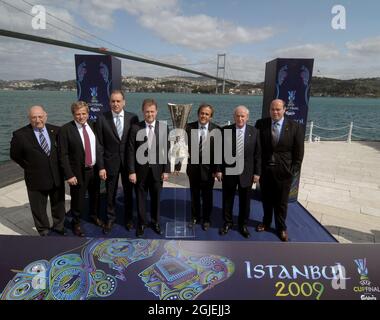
(77, 150)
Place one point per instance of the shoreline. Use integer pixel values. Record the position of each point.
(199, 93)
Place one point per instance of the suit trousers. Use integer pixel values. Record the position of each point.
(142, 188)
(78, 195)
(229, 189)
(112, 186)
(275, 195)
(201, 198)
(38, 205)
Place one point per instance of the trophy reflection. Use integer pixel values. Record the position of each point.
(178, 228)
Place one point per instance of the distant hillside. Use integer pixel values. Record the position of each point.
(320, 86)
(369, 87)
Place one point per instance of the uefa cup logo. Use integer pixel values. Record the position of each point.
(363, 271)
(291, 98)
(94, 94)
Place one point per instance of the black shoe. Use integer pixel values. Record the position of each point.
(244, 231)
(225, 229)
(283, 235)
(156, 228)
(44, 233)
(193, 222)
(206, 225)
(97, 221)
(108, 227)
(261, 227)
(140, 231)
(77, 230)
(129, 226)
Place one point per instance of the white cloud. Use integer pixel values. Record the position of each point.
(17, 16)
(317, 51)
(27, 60)
(368, 47)
(164, 18)
(202, 32)
(199, 32)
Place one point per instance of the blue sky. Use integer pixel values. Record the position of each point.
(192, 33)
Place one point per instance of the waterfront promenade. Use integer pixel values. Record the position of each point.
(340, 187)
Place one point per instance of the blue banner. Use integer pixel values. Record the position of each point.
(290, 81)
(96, 77)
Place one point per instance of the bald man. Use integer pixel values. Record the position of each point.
(34, 148)
(282, 142)
(241, 140)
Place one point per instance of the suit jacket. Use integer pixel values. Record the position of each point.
(203, 171)
(71, 151)
(142, 170)
(41, 172)
(252, 153)
(111, 149)
(288, 152)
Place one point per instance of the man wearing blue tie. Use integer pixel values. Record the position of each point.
(113, 129)
(34, 148)
(282, 142)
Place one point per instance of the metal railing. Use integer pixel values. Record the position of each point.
(312, 137)
(348, 136)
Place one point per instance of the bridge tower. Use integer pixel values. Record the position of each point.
(221, 66)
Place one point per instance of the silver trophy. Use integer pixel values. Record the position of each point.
(179, 114)
(179, 152)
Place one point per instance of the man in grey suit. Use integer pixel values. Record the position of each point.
(34, 148)
(113, 129)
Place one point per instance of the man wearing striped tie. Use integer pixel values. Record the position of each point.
(241, 168)
(34, 148)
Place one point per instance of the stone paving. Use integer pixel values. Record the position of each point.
(340, 187)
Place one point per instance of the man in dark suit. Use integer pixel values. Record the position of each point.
(113, 131)
(34, 148)
(77, 152)
(241, 168)
(148, 164)
(201, 169)
(282, 143)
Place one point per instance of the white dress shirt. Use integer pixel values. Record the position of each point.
(91, 135)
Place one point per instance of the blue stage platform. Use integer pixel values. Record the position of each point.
(302, 227)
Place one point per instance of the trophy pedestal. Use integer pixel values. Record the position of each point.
(179, 229)
(178, 151)
(179, 226)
